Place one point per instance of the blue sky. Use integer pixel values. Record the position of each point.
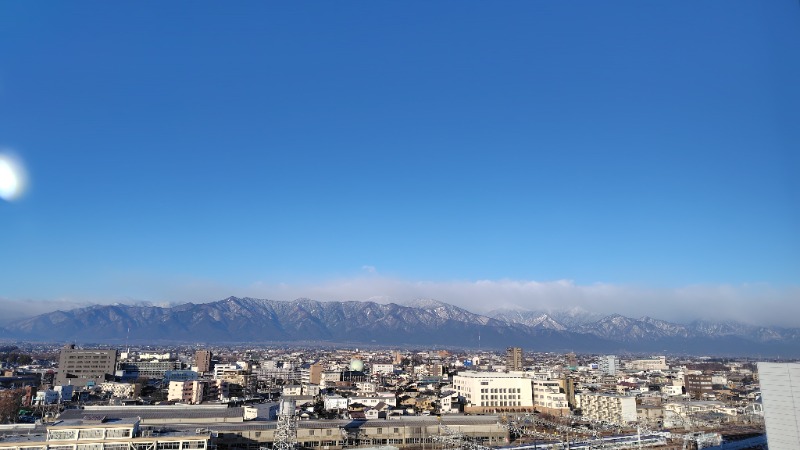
(192, 150)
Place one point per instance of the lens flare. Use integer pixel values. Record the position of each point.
(13, 178)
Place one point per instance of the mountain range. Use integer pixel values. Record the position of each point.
(421, 322)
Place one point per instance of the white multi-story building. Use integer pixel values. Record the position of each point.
(654, 363)
(608, 364)
(120, 390)
(292, 389)
(98, 435)
(155, 356)
(374, 400)
(311, 389)
(190, 392)
(226, 370)
(333, 402)
(780, 393)
(328, 379)
(672, 391)
(195, 392)
(494, 392)
(548, 398)
(366, 386)
(608, 408)
(383, 368)
(64, 392)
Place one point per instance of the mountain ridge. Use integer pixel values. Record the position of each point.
(419, 322)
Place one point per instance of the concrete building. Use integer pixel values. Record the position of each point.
(315, 373)
(155, 369)
(387, 369)
(698, 386)
(180, 375)
(121, 390)
(609, 364)
(514, 359)
(780, 393)
(95, 433)
(190, 392)
(79, 367)
(654, 363)
(155, 356)
(651, 415)
(672, 391)
(292, 390)
(202, 359)
(197, 391)
(64, 392)
(180, 427)
(548, 397)
(46, 397)
(312, 390)
(485, 392)
(609, 408)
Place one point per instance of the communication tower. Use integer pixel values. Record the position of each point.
(286, 431)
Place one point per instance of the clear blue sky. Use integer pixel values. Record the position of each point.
(232, 143)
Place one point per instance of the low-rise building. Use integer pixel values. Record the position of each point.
(654, 363)
(100, 433)
(608, 408)
(120, 390)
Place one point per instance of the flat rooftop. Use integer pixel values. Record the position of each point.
(182, 413)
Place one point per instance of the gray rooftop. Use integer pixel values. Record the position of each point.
(156, 412)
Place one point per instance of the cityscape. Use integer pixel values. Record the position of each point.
(246, 397)
(388, 225)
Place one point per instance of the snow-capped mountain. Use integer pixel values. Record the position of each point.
(420, 322)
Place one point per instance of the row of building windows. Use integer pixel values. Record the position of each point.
(501, 397)
(501, 403)
(501, 390)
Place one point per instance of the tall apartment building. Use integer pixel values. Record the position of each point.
(486, 392)
(514, 358)
(80, 367)
(315, 373)
(609, 408)
(202, 359)
(780, 393)
(609, 364)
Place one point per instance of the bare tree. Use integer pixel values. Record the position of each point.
(10, 404)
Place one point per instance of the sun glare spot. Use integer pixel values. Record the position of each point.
(12, 177)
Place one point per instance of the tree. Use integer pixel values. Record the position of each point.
(10, 404)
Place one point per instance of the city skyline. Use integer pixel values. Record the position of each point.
(534, 155)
